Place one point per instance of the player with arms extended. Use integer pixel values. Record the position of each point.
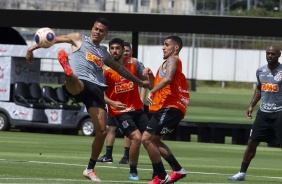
(85, 80)
(169, 99)
(267, 126)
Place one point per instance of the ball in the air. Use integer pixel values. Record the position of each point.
(44, 37)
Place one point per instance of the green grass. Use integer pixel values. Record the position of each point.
(215, 104)
(223, 105)
(51, 158)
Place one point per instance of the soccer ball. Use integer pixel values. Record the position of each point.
(44, 37)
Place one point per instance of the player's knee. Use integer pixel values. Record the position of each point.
(145, 141)
(136, 140)
(101, 133)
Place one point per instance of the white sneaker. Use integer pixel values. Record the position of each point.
(91, 175)
(240, 176)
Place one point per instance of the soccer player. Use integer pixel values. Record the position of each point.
(169, 99)
(85, 80)
(267, 126)
(112, 125)
(128, 53)
(124, 101)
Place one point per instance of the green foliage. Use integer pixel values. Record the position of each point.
(256, 12)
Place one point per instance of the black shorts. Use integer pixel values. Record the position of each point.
(128, 122)
(164, 121)
(111, 121)
(92, 95)
(267, 127)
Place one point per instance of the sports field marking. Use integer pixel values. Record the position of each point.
(114, 167)
(104, 181)
(84, 180)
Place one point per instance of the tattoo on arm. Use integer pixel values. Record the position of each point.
(171, 67)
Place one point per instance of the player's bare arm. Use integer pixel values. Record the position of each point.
(73, 38)
(116, 104)
(256, 98)
(124, 72)
(29, 54)
(169, 67)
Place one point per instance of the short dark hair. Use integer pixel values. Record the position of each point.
(103, 21)
(127, 45)
(177, 40)
(117, 41)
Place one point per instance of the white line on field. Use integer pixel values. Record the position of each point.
(77, 180)
(114, 167)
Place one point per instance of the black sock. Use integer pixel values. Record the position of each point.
(159, 168)
(126, 152)
(109, 151)
(91, 164)
(133, 169)
(244, 167)
(173, 163)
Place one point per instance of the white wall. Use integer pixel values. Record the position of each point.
(210, 64)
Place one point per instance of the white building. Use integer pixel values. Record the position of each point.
(119, 6)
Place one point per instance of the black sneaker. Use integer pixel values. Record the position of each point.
(105, 159)
(124, 160)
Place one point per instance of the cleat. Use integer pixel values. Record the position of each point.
(91, 175)
(64, 61)
(177, 175)
(105, 159)
(157, 180)
(240, 176)
(133, 176)
(124, 160)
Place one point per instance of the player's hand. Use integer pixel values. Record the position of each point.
(249, 112)
(29, 57)
(119, 106)
(150, 98)
(145, 84)
(147, 71)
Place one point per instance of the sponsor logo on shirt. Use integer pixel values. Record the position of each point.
(270, 75)
(125, 87)
(270, 87)
(269, 106)
(96, 60)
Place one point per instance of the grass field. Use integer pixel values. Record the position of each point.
(51, 158)
(222, 105)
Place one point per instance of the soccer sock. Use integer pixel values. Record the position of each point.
(133, 169)
(126, 152)
(91, 164)
(159, 168)
(109, 151)
(173, 163)
(244, 167)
